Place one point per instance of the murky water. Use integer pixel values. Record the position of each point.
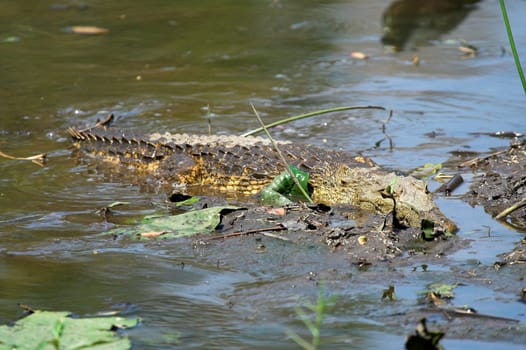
(172, 66)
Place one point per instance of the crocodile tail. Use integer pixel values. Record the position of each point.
(128, 149)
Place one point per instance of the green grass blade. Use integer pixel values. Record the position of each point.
(307, 115)
(512, 44)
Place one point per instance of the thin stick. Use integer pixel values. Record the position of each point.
(307, 115)
(248, 232)
(209, 120)
(287, 167)
(475, 161)
(511, 209)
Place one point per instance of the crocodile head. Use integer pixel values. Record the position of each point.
(377, 190)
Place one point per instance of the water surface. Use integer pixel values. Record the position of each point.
(166, 66)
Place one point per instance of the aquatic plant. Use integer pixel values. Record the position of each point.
(319, 309)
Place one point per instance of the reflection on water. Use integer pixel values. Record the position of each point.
(417, 22)
(171, 67)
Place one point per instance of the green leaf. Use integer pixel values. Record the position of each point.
(444, 291)
(427, 170)
(174, 226)
(428, 230)
(188, 201)
(390, 189)
(46, 330)
(283, 188)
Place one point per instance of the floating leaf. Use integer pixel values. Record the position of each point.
(46, 330)
(441, 290)
(88, 30)
(174, 226)
(359, 55)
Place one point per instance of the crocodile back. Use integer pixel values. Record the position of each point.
(220, 162)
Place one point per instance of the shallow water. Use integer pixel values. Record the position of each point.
(172, 67)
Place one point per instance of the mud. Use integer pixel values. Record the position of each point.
(364, 238)
(500, 184)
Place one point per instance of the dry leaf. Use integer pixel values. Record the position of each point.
(152, 234)
(277, 211)
(362, 240)
(89, 30)
(434, 298)
(468, 50)
(359, 55)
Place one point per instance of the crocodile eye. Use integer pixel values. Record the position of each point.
(345, 181)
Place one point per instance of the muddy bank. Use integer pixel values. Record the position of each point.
(500, 182)
(362, 237)
(500, 187)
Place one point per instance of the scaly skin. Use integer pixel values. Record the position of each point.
(244, 165)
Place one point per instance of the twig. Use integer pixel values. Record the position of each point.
(272, 235)
(38, 159)
(384, 123)
(209, 120)
(307, 115)
(511, 209)
(475, 161)
(248, 232)
(287, 166)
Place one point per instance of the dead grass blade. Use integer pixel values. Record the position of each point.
(39, 159)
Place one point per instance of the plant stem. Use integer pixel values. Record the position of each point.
(301, 116)
(287, 166)
(512, 44)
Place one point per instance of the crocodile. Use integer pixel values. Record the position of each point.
(245, 165)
